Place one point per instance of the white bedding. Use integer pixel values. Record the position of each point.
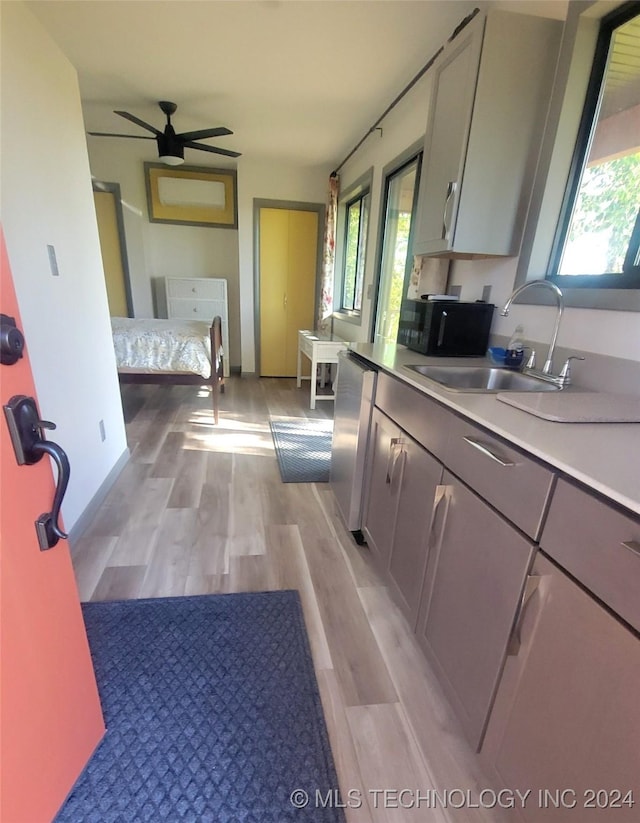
(168, 346)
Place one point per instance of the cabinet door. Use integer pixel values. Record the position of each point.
(566, 714)
(419, 490)
(475, 576)
(454, 85)
(274, 267)
(385, 477)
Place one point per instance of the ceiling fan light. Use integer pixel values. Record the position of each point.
(170, 151)
(171, 160)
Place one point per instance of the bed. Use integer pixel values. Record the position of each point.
(152, 350)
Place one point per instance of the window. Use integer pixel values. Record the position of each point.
(597, 242)
(355, 245)
(400, 194)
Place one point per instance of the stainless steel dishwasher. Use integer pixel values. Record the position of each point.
(355, 393)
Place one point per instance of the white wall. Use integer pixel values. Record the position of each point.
(612, 333)
(402, 127)
(46, 198)
(158, 250)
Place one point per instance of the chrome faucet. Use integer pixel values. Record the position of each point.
(563, 378)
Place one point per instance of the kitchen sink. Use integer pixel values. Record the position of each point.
(482, 379)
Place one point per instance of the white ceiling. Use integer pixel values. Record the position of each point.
(296, 80)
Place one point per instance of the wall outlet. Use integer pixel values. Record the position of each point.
(103, 432)
(53, 263)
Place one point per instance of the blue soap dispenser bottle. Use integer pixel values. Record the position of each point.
(515, 349)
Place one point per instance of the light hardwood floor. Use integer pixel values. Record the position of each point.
(201, 509)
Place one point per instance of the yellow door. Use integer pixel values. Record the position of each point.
(274, 266)
(288, 264)
(111, 253)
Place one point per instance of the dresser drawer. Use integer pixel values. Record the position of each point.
(424, 419)
(196, 288)
(598, 545)
(517, 485)
(196, 309)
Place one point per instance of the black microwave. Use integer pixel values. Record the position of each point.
(445, 328)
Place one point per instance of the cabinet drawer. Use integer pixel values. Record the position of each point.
(306, 344)
(195, 288)
(424, 419)
(510, 480)
(598, 545)
(195, 309)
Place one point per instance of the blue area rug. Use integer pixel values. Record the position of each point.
(212, 710)
(303, 448)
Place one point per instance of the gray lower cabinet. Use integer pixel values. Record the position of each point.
(404, 483)
(420, 491)
(565, 720)
(476, 574)
(543, 677)
(383, 487)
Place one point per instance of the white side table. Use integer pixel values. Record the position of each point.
(321, 351)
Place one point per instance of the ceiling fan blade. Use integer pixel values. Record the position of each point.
(190, 145)
(111, 134)
(138, 121)
(199, 135)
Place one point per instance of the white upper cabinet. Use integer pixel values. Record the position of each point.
(489, 101)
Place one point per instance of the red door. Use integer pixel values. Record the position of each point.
(51, 720)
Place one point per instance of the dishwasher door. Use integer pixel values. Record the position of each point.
(355, 394)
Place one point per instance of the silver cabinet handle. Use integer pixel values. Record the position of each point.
(442, 496)
(530, 585)
(632, 545)
(392, 461)
(452, 185)
(486, 450)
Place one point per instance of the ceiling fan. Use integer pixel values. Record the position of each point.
(171, 146)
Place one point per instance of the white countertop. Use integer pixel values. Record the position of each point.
(604, 456)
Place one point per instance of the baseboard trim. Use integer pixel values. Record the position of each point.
(91, 509)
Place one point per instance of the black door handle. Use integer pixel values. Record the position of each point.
(49, 532)
(25, 428)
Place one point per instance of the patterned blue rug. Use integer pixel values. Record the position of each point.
(213, 714)
(303, 448)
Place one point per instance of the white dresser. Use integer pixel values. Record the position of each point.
(200, 298)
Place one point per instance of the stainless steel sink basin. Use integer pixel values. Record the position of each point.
(482, 379)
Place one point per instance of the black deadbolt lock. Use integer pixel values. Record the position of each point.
(11, 341)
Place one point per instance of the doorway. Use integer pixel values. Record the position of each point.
(287, 254)
(106, 197)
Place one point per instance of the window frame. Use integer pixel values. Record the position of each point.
(363, 199)
(629, 278)
(359, 188)
(414, 154)
(566, 105)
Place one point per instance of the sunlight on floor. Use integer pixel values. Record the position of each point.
(232, 434)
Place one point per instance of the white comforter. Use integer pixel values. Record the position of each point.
(169, 346)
